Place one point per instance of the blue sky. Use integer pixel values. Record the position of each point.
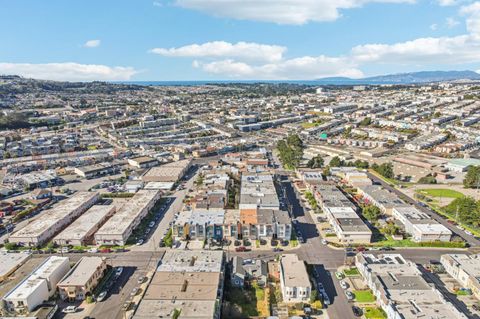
(235, 39)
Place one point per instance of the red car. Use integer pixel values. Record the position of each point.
(241, 249)
(105, 250)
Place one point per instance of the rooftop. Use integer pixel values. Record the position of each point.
(82, 272)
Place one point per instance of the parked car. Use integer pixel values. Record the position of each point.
(276, 249)
(349, 294)
(151, 224)
(339, 275)
(357, 311)
(343, 284)
(101, 296)
(242, 249)
(70, 309)
(140, 280)
(134, 291)
(326, 300)
(140, 242)
(118, 271)
(126, 305)
(324, 241)
(105, 250)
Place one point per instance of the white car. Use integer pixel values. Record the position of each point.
(349, 295)
(70, 309)
(119, 271)
(93, 250)
(140, 242)
(151, 224)
(343, 284)
(468, 232)
(324, 241)
(101, 296)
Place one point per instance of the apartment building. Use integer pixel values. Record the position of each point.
(294, 279)
(80, 281)
(80, 232)
(348, 226)
(465, 269)
(37, 287)
(118, 228)
(199, 224)
(420, 225)
(187, 281)
(54, 219)
(381, 198)
(400, 289)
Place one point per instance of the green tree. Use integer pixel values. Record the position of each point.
(391, 229)
(315, 162)
(361, 164)
(10, 246)
(472, 178)
(336, 162)
(428, 179)
(371, 212)
(466, 210)
(326, 171)
(313, 295)
(365, 122)
(385, 169)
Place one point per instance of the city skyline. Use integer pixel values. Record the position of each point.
(236, 40)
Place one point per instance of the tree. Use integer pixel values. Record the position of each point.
(391, 229)
(315, 162)
(361, 164)
(371, 212)
(466, 209)
(313, 295)
(10, 246)
(428, 179)
(326, 171)
(385, 169)
(472, 178)
(365, 122)
(336, 162)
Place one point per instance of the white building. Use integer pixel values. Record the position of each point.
(38, 287)
(294, 279)
(348, 226)
(55, 219)
(420, 225)
(118, 228)
(465, 269)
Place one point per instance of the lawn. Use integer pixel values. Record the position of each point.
(374, 313)
(441, 192)
(363, 296)
(351, 272)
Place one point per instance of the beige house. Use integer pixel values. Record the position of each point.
(80, 281)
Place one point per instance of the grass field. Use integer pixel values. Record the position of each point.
(374, 313)
(363, 296)
(351, 272)
(441, 192)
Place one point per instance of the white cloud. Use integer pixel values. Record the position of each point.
(227, 60)
(92, 43)
(221, 49)
(278, 11)
(294, 69)
(472, 12)
(451, 22)
(157, 4)
(69, 71)
(446, 3)
(434, 26)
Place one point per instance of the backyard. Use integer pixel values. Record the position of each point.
(363, 296)
(374, 313)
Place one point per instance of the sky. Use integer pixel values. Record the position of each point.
(177, 40)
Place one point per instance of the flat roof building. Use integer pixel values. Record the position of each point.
(36, 288)
(381, 198)
(11, 262)
(143, 162)
(54, 219)
(80, 281)
(118, 228)
(420, 225)
(348, 226)
(400, 289)
(80, 232)
(190, 282)
(258, 191)
(170, 172)
(294, 279)
(465, 269)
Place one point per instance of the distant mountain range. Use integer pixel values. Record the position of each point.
(405, 78)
